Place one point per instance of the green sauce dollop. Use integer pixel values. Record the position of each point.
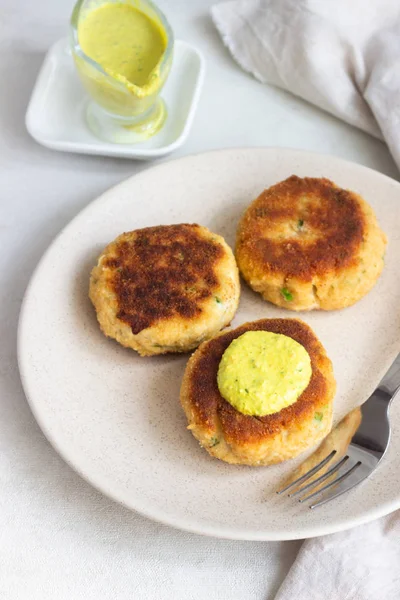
(261, 373)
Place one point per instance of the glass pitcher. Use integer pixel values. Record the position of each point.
(119, 113)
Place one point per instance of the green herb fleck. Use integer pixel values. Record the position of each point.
(300, 223)
(214, 442)
(246, 390)
(218, 300)
(286, 294)
(319, 416)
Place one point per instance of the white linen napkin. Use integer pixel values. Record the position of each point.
(360, 564)
(342, 55)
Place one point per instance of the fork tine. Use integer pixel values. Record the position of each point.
(344, 489)
(309, 473)
(323, 477)
(329, 485)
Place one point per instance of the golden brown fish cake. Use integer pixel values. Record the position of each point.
(166, 288)
(306, 243)
(234, 437)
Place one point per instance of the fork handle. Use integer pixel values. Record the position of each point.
(391, 380)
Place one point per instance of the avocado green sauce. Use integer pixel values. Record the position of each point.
(261, 373)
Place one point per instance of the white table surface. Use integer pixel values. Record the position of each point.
(59, 538)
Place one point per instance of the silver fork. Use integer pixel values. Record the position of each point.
(364, 453)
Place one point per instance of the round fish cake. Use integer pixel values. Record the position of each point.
(237, 438)
(306, 244)
(165, 289)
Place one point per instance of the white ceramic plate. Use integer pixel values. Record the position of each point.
(56, 113)
(116, 418)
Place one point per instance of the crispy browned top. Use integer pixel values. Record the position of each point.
(324, 228)
(238, 428)
(162, 272)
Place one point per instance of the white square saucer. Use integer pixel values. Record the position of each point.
(56, 113)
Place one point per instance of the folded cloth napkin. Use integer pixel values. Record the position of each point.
(360, 564)
(342, 55)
